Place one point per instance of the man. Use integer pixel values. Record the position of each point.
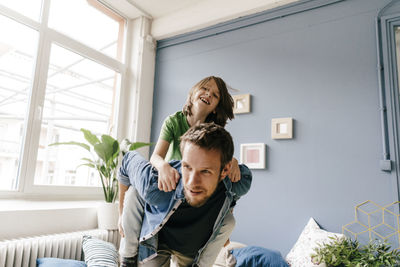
(182, 224)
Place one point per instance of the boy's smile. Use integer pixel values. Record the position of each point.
(207, 96)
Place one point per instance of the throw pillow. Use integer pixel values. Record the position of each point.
(55, 262)
(311, 237)
(99, 253)
(253, 256)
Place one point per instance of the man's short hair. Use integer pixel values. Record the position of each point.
(210, 136)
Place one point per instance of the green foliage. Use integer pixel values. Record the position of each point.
(345, 252)
(105, 155)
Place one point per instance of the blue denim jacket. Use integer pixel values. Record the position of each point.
(160, 205)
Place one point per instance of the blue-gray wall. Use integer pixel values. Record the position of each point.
(319, 67)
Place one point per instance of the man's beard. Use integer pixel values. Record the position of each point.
(196, 204)
(201, 202)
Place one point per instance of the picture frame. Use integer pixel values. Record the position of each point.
(282, 128)
(241, 103)
(253, 155)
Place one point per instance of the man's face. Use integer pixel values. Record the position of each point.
(201, 173)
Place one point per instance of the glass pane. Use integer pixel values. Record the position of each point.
(80, 93)
(18, 44)
(29, 8)
(92, 24)
(397, 37)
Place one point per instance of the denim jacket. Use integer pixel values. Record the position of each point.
(160, 205)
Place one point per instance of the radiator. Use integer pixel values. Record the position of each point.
(23, 252)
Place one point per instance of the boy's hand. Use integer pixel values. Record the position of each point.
(168, 177)
(234, 175)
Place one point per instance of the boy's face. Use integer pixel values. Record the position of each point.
(206, 97)
(201, 173)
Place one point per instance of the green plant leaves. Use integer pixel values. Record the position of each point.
(85, 146)
(108, 149)
(137, 145)
(347, 252)
(105, 152)
(91, 138)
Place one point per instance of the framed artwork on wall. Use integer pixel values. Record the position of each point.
(282, 128)
(241, 103)
(253, 155)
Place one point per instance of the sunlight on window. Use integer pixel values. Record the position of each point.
(397, 38)
(82, 87)
(17, 46)
(79, 94)
(29, 8)
(92, 24)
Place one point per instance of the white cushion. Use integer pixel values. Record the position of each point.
(99, 252)
(310, 238)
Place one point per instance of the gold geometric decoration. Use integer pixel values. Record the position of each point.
(373, 221)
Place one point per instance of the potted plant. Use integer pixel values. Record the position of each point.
(105, 152)
(346, 252)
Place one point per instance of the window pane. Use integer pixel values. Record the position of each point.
(92, 24)
(397, 38)
(17, 45)
(80, 93)
(29, 8)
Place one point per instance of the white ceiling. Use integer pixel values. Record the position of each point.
(173, 17)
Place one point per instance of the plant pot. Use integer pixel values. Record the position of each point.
(107, 216)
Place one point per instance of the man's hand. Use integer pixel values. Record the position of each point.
(234, 175)
(168, 177)
(120, 229)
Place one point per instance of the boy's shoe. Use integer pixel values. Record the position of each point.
(129, 262)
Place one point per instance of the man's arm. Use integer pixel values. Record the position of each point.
(241, 187)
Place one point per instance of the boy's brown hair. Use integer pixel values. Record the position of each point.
(224, 109)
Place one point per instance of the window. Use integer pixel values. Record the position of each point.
(16, 68)
(388, 33)
(87, 16)
(30, 9)
(56, 78)
(80, 93)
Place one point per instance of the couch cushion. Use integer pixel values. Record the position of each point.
(55, 262)
(99, 253)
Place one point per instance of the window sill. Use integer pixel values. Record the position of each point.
(25, 218)
(22, 204)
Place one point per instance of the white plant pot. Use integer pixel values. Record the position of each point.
(107, 216)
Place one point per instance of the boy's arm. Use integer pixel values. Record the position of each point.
(138, 172)
(168, 177)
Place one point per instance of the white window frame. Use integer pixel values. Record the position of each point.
(47, 37)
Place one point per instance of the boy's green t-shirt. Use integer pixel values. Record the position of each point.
(173, 128)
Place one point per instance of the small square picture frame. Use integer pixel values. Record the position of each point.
(253, 155)
(282, 128)
(241, 103)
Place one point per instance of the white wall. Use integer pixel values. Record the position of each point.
(31, 218)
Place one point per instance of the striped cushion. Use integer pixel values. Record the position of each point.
(99, 253)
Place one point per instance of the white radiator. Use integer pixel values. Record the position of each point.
(23, 252)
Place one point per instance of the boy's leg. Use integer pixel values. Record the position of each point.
(180, 260)
(132, 217)
(212, 250)
(163, 258)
